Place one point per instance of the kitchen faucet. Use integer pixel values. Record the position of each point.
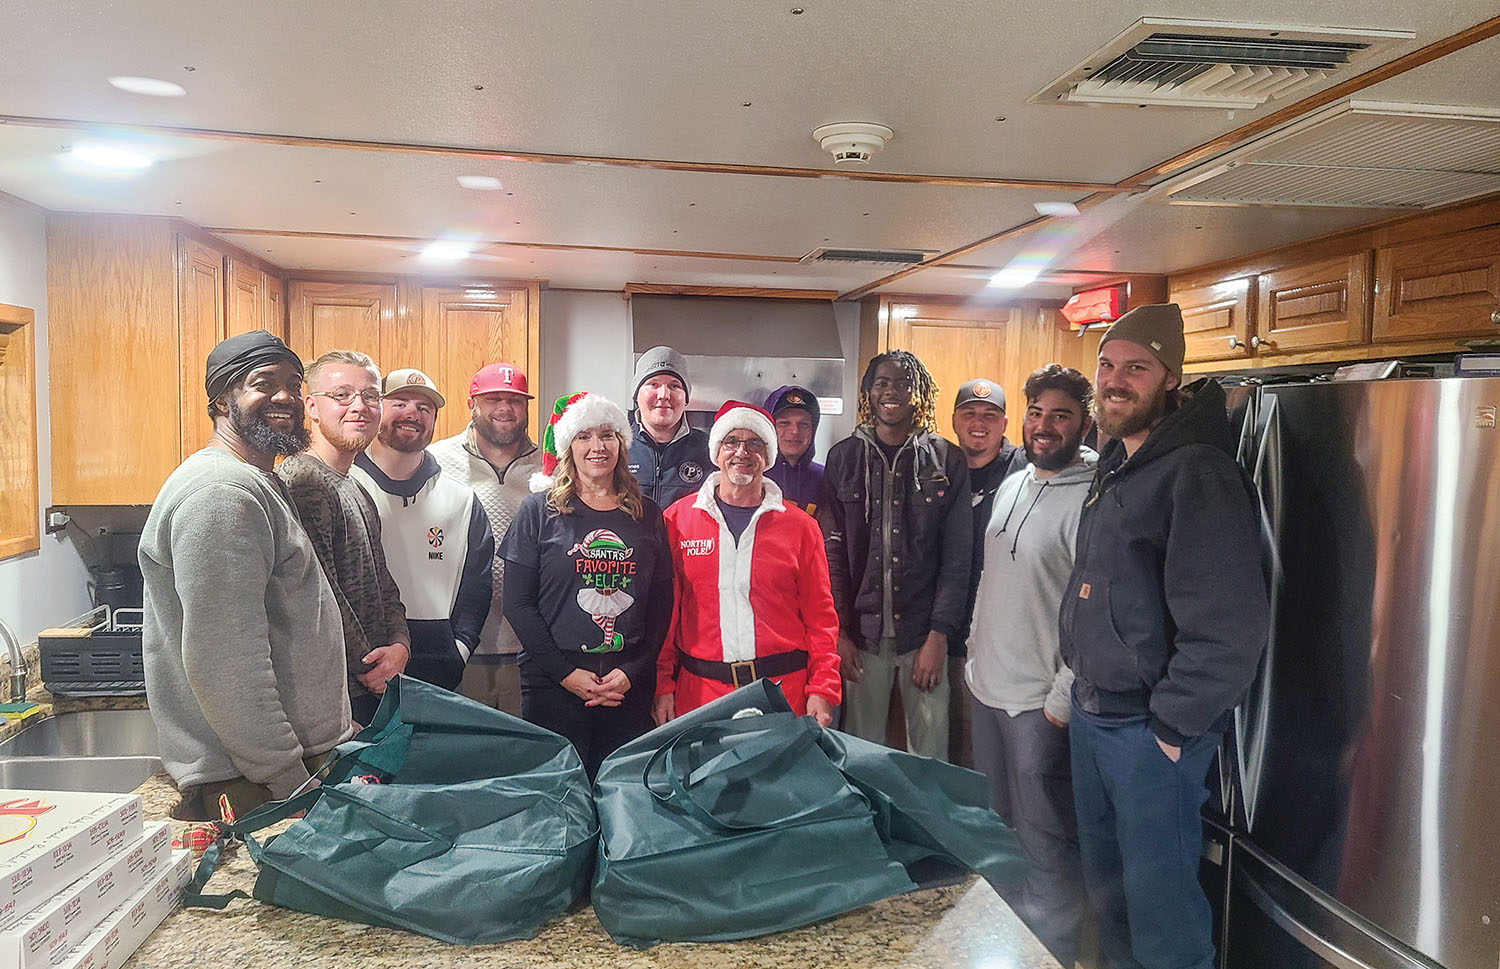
(17, 665)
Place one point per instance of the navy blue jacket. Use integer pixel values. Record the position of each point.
(668, 471)
(1167, 612)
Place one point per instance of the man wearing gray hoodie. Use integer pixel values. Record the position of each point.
(1015, 669)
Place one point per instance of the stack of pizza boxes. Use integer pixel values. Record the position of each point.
(83, 880)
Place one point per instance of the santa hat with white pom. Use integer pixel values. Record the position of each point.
(572, 413)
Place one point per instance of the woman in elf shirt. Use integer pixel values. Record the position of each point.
(588, 584)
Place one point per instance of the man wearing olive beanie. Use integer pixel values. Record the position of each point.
(1162, 622)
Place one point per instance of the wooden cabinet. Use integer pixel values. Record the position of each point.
(1443, 287)
(447, 331)
(20, 511)
(1322, 304)
(273, 305)
(134, 306)
(1215, 317)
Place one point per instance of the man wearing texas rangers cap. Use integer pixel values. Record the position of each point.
(751, 578)
(495, 456)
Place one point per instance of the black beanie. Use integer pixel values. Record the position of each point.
(242, 353)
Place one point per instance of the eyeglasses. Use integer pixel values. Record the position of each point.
(753, 445)
(344, 396)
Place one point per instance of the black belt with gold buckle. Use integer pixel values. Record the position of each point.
(745, 671)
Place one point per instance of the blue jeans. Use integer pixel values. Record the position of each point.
(1141, 837)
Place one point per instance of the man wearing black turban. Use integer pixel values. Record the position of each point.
(243, 642)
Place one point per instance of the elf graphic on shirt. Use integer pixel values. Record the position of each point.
(603, 560)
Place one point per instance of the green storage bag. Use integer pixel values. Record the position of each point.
(721, 825)
(482, 831)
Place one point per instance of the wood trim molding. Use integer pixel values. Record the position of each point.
(665, 289)
(549, 158)
(1400, 65)
(20, 517)
(391, 279)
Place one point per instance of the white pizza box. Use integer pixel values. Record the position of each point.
(48, 931)
(50, 839)
(116, 938)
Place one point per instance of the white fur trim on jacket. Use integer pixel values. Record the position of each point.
(742, 419)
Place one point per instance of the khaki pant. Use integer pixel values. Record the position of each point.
(201, 802)
(867, 703)
(495, 685)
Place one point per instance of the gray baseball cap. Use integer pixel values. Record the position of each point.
(660, 360)
(980, 390)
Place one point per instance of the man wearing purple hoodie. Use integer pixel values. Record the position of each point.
(795, 411)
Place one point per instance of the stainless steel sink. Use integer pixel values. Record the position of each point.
(115, 775)
(87, 733)
(91, 750)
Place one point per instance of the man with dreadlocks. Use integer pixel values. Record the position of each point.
(899, 533)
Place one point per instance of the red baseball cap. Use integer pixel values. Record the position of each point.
(498, 378)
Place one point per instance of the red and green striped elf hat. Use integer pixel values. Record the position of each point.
(572, 413)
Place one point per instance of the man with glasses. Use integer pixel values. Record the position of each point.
(436, 535)
(895, 515)
(244, 650)
(751, 577)
(342, 399)
(496, 457)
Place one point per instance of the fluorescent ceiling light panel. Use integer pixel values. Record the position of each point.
(442, 251)
(1063, 209)
(111, 157)
(150, 86)
(1014, 277)
(480, 183)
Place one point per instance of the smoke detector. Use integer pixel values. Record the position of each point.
(852, 142)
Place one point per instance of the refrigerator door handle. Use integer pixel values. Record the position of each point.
(1253, 716)
(1325, 926)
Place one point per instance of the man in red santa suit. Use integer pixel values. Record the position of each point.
(751, 578)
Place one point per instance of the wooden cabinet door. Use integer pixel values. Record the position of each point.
(200, 325)
(955, 343)
(1322, 304)
(1215, 317)
(466, 328)
(244, 297)
(1438, 287)
(273, 305)
(339, 316)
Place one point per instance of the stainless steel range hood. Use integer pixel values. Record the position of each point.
(744, 348)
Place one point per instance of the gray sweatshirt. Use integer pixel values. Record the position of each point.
(1014, 662)
(244, 648)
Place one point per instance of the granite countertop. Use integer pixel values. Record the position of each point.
(963, 925)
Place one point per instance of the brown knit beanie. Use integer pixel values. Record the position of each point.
(1158, 328)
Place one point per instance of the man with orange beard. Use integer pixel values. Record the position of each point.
(342, 400)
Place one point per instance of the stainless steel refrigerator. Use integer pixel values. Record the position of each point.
(1356, 821)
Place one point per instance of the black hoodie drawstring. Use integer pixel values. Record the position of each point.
(1006, 524)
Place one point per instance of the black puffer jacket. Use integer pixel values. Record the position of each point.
(1166, 612)
(926, 559)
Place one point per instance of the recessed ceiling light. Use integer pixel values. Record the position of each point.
(1064, 209)
(480, 183)
(1014, 277)
(150, 86)
(111, 157)
(443, 251)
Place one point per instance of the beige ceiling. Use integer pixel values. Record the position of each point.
(652, 80)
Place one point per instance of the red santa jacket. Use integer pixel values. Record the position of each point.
(769, 594)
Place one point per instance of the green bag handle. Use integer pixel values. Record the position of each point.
(262, 817)
(743, 759)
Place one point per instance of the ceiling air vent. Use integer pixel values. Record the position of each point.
(1207, 64)
(872, 257)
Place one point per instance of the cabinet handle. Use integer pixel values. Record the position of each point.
(1495, 317)
(1235, 343)
(1256, 343)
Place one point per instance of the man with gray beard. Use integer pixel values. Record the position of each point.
(437, 538)
(343, 403)
(496, 457)
(243, 645)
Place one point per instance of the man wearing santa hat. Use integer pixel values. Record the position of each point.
(751, 578)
